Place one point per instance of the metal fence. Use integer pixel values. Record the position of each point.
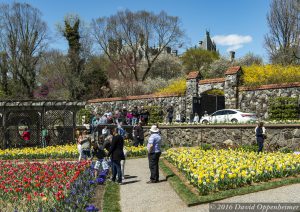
(58, 117)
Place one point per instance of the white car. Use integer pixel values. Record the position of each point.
(228, 115)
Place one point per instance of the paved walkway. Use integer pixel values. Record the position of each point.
(137, 196)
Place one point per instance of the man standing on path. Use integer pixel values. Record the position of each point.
(117, 154)
(154, 152)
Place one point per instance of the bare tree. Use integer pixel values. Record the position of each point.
(23, 35)
(127, 38)
(283, 38)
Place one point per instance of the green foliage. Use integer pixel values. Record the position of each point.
(286, 150)
(2, 94)
(111, 197)
(284, 108)
(84, 112)
(199, 60)
(215, 92)
(248, 148)
(206, 146)
(95, 79)
(155, 114)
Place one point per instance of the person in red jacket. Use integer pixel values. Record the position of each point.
(26, 135)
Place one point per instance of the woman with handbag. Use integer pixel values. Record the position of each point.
(260, 133)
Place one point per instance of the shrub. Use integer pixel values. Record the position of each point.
(177, 87)
(256, 75)
(155, 114)
(84, 112)
(248, 148)
(283, 108)
(206, 146)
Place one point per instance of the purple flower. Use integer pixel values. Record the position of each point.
(91, 208)
(104, 172)
(91, 182)
(100, 180)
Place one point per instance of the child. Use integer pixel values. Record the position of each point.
(99, 152)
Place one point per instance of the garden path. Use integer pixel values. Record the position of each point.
(137, 196)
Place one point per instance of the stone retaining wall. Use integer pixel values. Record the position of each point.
(257, 99)
(112, 104)
(278, 135)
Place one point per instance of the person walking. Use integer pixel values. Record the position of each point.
(138, 135)
(260, 133)
(154, 152)
(117, 154)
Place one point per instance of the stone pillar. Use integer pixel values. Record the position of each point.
(192, 82)
(232, 82)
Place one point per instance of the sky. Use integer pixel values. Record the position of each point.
(238, 25)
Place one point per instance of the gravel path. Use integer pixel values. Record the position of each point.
(137, 196)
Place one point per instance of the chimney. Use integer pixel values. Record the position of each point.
(232, 55)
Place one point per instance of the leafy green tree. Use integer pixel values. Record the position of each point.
(199, 60)
(95, 80)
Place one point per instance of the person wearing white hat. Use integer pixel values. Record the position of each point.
(154, 152)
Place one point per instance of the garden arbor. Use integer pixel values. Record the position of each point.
(58, 117)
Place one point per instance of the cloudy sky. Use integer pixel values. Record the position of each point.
(238, 25)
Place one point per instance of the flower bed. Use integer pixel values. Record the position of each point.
(57, 152)
(50, 186)
(64, 151)
(215, 170)
(138, 151)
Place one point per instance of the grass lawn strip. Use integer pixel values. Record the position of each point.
(111, 198)
(191, 198)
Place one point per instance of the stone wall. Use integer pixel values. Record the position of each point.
(257, 99)
(247, 99)
(192, 86)
(111, 104)
(210, 84)
(232, 81)
(278, 135)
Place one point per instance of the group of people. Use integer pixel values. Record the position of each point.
(111, 145)
(26, 136)
(127, 117)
